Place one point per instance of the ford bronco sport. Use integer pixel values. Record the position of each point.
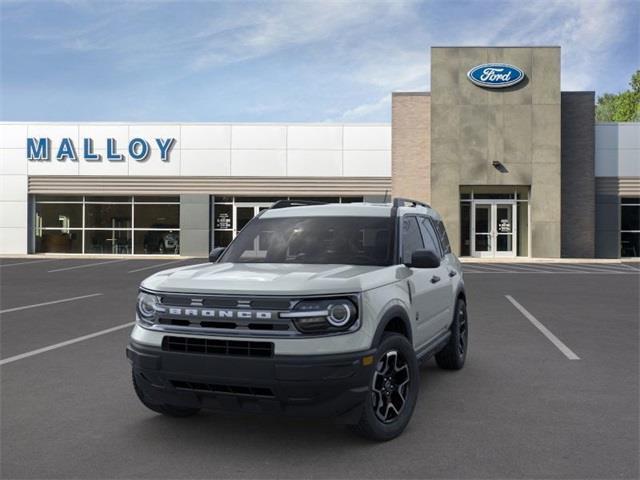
(313, 309)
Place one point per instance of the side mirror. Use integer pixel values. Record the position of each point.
(215, 254)
(424, 259)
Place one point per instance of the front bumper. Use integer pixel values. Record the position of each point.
(294, 385)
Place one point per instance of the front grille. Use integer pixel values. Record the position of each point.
(226, 302)
(280, 326)
(208, 346)
(228, 389)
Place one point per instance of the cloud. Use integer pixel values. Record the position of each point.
(368, 110)
(288, 61)
(286, 25)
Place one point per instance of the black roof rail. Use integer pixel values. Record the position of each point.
(400, 202)
(295, 203)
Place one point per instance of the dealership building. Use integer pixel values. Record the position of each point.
(516, 167)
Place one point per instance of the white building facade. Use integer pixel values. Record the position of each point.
(117, 188)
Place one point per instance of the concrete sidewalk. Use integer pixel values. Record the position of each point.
(548, 260)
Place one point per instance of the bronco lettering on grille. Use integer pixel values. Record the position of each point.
(217, 313)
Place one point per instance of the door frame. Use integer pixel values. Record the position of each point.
(493, 204)
(256, 209)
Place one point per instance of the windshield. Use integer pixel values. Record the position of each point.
(345, 240)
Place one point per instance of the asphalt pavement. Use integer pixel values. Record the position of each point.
(521, 408)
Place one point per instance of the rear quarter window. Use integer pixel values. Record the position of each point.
(442, 234)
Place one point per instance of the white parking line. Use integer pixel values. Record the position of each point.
(544, 330)
(15, 358)
(485, 268)
(530, 268)
(31, 262)
(35, 305)
(155, 266)
(87, 265)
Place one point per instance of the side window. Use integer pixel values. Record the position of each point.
(411, 238)
(430, 237)
(442, 233)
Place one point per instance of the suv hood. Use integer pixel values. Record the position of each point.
(270, 278)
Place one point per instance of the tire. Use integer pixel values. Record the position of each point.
(390, 389)
(454, 354)
(169, 410)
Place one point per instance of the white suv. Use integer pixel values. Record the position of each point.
(313, 309)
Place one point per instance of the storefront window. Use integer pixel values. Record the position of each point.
(105, 215)
(109, 224)
(630, 227)
(157, 216)
(107, 241)
(59, 215)
(59, 241)
(154, 242)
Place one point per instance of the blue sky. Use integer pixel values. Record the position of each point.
(311, 61)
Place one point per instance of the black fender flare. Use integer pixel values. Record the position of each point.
(395, 311)
(460, 292)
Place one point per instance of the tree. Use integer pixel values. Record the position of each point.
(621, 107)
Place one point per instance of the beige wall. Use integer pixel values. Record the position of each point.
(411, 146)
(518, 126)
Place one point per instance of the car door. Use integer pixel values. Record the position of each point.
(424, 284)
(441, 298)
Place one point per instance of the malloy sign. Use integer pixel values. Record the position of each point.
(40, 149)
(495, 75)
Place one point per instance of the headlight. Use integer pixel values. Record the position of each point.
(146, 307)
(324, 315)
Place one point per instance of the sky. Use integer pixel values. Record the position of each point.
(276, 61)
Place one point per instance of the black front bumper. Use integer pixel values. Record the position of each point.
(309, 385)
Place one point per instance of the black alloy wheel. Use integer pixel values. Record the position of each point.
(391, 384)
(393, 391)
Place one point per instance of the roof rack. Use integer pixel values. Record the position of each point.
(295, 203)
(400, 202)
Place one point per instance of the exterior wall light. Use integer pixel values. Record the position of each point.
(499, 166)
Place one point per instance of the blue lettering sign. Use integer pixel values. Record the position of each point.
(66, 151)
(138, 149)
(89, 155)
(112, 154)
(165, 146)
(39, 150)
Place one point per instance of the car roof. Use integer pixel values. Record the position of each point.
(360, 209)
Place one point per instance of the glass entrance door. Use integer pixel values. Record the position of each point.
(243, 212)
(493, 223)
(504, 218)
(483, 244)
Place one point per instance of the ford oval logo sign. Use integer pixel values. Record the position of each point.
(495, 75)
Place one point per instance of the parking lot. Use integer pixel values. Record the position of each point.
(550, 389)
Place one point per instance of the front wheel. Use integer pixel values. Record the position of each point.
(454, 354)
(393, 390)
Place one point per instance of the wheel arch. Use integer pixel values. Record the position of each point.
(461, 295)
(395, 319)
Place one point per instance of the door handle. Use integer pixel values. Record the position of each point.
(435, 279)
(452, 273)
